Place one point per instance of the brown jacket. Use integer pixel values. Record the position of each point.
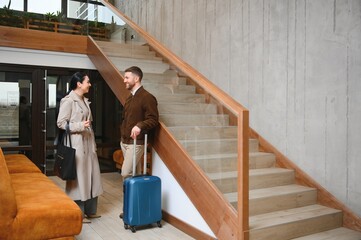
(139, 110)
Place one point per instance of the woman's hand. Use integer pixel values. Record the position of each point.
(86, 124)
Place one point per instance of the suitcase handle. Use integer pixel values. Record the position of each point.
(145, 155)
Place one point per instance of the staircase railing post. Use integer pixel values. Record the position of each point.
(243, 175)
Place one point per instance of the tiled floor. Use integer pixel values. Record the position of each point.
(110, 226)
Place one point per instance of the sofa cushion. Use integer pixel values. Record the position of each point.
(19, 163)
(44, 210)
(7, 199)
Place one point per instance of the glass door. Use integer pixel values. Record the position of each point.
(29, 106)
(105, 110)
(15, 111)
(22, 126)
(56, 88)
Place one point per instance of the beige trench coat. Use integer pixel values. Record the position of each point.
(88, 182)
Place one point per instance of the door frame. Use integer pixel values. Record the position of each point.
(38, 120)
(37, 147)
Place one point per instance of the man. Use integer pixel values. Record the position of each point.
(140, 115)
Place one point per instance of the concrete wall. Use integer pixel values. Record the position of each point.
(295, 64)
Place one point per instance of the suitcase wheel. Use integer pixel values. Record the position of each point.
(159, 224)
(132, 228)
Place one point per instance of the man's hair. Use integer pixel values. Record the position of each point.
(135, 70)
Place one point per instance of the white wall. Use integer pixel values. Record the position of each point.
(44, 58)
(296, 65)
(174, 200)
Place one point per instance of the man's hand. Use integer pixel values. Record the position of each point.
(135, 132)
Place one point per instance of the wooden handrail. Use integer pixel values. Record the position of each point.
(225, 225)
(222, 219)
(108, 70)
(219, 94)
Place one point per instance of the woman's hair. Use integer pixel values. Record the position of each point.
(77, 77)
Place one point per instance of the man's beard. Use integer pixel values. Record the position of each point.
(129, 86)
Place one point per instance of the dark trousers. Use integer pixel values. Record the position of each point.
(88, 207)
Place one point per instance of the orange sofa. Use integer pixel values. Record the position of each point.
(31, 205)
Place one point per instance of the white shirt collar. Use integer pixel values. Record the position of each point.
(135, 90)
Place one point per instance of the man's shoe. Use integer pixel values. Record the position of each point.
(121, 215)
(85, 220)
(93, 216)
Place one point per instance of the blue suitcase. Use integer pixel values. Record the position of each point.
(142, 198)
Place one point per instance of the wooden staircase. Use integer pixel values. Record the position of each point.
(279, 208)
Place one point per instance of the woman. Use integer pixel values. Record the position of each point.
(75, 110)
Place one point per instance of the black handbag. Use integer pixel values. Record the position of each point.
(65, 166)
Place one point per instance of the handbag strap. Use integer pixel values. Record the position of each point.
(66, 135)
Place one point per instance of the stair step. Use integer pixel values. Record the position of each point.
(181, 108)
(272, 199)
(281, 198)
(117, 45)
(204, 132)
(194, 119)
(258, 178)
(180, 98)
(151, 66)
(126, 45)
(214, 146)
(334, 234)
(164, 78)
(226, 162)
(261, 159)
(197, 147)
(129, 53)
(168, 88)
(113, 49)
(295, 222)
(270, 177)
